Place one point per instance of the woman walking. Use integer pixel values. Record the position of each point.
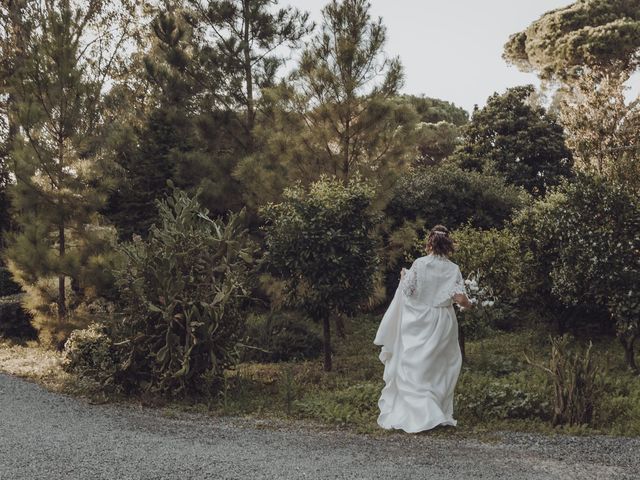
(419, 339)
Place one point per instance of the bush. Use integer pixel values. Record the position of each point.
(496, 255)
(450, 196)
(589, 232)
(279, 337)
(182, 299)
(482, 397)
(444, 195)
(89, 353)
(15, 321)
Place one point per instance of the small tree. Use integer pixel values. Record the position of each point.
(592, 226)
(319, 242)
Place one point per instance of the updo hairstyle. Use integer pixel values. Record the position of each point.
(439, 242)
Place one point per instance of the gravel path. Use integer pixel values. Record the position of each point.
(50, 436)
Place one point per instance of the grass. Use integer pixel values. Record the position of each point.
(35, 363)
(497, 389)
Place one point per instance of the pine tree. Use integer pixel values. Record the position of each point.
(340, 114)
(56, 152)
(242, 36)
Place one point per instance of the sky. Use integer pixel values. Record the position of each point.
(452, 49)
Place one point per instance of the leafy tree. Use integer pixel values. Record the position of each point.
(602, 127)
(438, 128)
(517, 140)
(434, 110)
(453, 197)
(592, 48)
(588, 33)
(15, 25)
(589, 230)
(174, 135)
(242, 38)
(340, 114)
(319, 242)
(424, 197)
(436, 141)
(56, 152)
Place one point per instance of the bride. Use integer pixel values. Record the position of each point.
(419, 339)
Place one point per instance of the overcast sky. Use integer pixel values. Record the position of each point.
(452, 49)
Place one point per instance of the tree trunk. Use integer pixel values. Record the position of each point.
(62, 304)
(326, 324)
(248, 74)
(345, 165)
(629, 352)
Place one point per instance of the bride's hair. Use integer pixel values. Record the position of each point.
(439, 242)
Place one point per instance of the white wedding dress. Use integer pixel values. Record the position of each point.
(419, 339)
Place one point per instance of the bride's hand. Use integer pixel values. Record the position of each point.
(402, 273)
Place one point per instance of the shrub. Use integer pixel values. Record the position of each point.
(589, 230)
(15, 321)
(278, 337)
(482, 397)
(496, 255)
(444, 195)
(450, 196)
(89, 353)
(574, 376)
(182, 298)
(319, 241)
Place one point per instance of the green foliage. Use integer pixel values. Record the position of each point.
(56, 156)
(434, 110)
(90, 355)
(496, 254)
(182, 291)
(436, 141)
(589, 232)
(589, 33)
(319, 241)
(575, 382)
(514, 138)
(453, 197)
(338, 115)
(355, 404)
(280, 336)
(177, 135)
(15, 321)
(485, 398)
(243, 38)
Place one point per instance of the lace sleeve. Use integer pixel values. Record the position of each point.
(459, 286)
(410, 281)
